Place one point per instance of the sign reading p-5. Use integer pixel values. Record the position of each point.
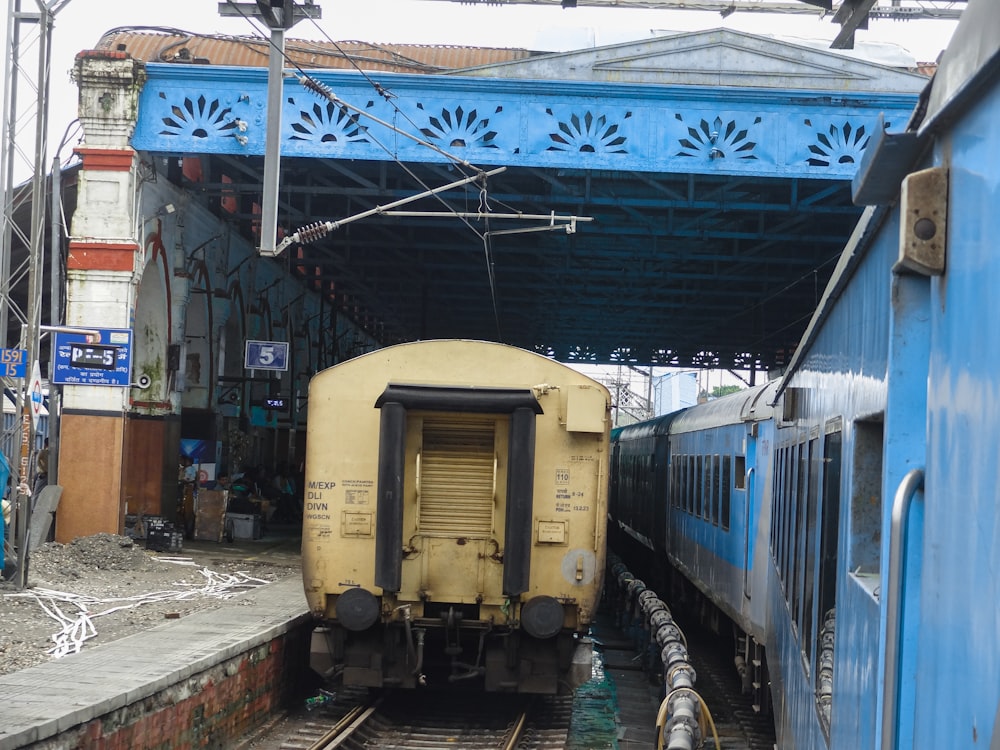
(99, 356)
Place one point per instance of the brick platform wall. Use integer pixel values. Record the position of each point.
(213, 709)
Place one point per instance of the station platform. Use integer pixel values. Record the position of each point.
(211, 677)
(208, 676)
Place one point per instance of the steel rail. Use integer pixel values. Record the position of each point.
(345, 727)
(517, 731)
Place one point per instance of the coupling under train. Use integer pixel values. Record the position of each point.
(455, 518)
(846, 517)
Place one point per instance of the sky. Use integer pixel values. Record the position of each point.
(79, 24)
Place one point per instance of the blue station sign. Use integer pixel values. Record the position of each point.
(99, 356)
(13, 363)
(266, 355)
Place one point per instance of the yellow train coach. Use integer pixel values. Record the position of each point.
(454, 521)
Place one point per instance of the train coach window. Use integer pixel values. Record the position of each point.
(799, 537)
(788, 522)
(779, 468)
(689, 484)
(726, 490)
(811, 542)
(828, 546)
(648, 487)
(866, 500)
(785, 492)
(709, 489)
(699, 479)
(675, 491)
(715, 488)
(740, 469)
(696, 484)
(675, 483)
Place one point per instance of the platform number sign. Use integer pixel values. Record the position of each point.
(99, 356)
(93, 356)
(13, 363)
(266, 355)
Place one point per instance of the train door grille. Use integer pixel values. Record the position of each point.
(457, 478)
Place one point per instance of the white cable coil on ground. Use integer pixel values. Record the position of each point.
(78, 627)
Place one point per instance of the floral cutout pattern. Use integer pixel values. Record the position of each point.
(718, 140)
(199, 118)
(326, 122)
(458, 128)
(590, 133)
(838, 144)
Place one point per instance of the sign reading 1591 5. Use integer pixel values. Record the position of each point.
(13, 363)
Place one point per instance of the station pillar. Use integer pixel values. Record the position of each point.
(103, 268)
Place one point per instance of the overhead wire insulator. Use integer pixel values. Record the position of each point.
(312, 232)
(317, 87)
(309, 233)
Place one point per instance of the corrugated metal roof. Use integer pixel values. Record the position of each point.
(183, 47)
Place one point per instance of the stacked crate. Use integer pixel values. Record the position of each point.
(161, 536)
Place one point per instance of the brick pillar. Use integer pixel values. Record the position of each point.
(103, 269)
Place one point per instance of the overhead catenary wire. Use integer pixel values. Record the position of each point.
(324, 91)
(319, 229)
(318, 87)
(321, 89)
(484, 206)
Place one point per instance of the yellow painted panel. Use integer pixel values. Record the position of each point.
(551, 532)
(584, 412)
(356, 524)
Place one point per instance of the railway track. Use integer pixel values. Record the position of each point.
(409, 721)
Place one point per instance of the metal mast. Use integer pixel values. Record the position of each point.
(24, 131)
(279, 15)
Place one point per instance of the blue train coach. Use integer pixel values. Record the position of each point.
(870, 511)
(885, 596)
(688, 491)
